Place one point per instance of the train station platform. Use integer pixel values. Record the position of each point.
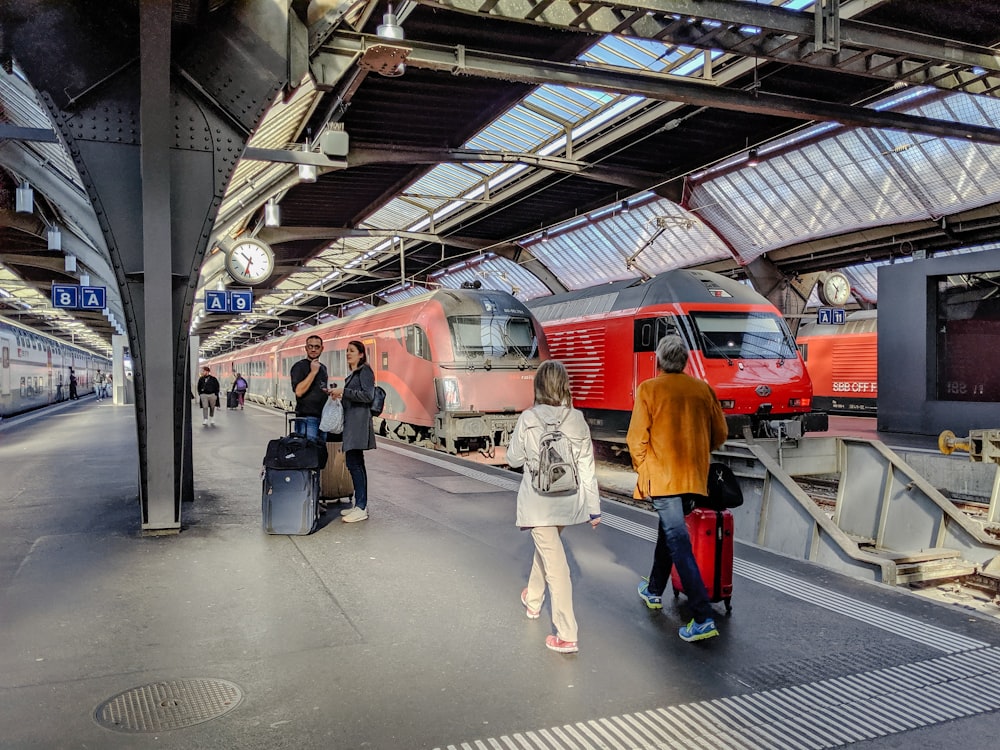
(406, 630)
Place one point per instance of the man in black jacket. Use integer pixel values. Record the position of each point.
(309, 381)
(208, 393)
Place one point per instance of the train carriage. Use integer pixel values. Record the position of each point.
(738, 343)
(843, 363)
(34, 368)
(457, 366)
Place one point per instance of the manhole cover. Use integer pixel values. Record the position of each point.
(168, 705)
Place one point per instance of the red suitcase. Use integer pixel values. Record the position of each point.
(712, 543)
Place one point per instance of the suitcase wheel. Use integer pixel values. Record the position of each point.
(677, 593)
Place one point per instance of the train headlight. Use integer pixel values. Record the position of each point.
(728, 403)
(448, 396)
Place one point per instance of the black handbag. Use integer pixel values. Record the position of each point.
(723, 488)
(295, 452)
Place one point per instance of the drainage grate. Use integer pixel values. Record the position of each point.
(172, 704)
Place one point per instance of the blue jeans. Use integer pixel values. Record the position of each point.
(309, 426)
(673, 548)
(355, 461)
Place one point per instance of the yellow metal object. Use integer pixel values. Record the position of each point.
(983, 446)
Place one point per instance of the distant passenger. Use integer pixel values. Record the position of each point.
(99, 385)
(359, 434)
(676, 424)
(108, 387)
(240, 387)
(309, 381)
(72, 385)
(545, 516)
(208, 392)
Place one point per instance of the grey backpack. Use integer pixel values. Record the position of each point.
(554, 471)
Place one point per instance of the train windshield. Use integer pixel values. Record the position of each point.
(743, 336)
(492, 337)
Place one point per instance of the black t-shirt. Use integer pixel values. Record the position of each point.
(311, 404)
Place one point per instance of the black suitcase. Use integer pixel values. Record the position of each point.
(290, 501)
(232, 400)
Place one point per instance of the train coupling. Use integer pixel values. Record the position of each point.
(983, 446)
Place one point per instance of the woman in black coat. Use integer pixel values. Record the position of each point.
(359, 434)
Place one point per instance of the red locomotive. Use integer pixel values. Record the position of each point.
(843, 363)
(457, 366)
(739, 343)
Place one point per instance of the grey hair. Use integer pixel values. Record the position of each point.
(671, 354)
(552, 384)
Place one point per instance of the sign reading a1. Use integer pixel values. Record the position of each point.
(237, 301)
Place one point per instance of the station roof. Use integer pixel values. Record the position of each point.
(548, 147)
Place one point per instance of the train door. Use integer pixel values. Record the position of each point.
(647, 334)
(6, 345)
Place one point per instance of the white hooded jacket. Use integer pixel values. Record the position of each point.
(543, 510)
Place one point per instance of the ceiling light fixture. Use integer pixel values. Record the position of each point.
(272, 214)
(54, 238)
(624, 206)
(753, 158)
(24, 199)
(390, 29)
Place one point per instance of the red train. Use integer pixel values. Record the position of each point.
(843, 363)
(739, 343)
(457, 366)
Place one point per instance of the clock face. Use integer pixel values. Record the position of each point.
(250, 261)
(836, 289)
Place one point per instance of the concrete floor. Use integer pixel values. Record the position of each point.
(405, 631)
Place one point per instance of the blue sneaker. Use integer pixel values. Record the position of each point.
(698, 631)
(653, 601)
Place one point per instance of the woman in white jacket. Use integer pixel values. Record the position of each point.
(546, 515)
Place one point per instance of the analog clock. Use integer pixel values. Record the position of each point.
(835, 289)
(250, 261)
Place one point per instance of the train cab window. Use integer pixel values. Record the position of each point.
(648, 332)
(415, 340)
(496, 336)
(743, 336)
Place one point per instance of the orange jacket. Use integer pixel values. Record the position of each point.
(676, 424)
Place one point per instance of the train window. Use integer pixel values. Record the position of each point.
(743, 336)
(648, 332)
(415, 341)
(475, 337)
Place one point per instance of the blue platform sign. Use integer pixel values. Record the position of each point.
(833, 316)
(93, 297)
(241, 300)
(231, 301)
(65, 295)
(216, 302)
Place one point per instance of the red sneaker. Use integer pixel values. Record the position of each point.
(556, 643)
(532, 614)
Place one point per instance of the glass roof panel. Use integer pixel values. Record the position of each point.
(493, 272)
(846, 179)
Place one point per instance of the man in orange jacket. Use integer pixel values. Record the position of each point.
(676, 424)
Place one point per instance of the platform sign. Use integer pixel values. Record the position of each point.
(231, 301)
(241, 300)
(833, 316)
(65, 295)
(93, 297)
(216, 302)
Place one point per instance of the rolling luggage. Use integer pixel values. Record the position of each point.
(290, 486)
(232, 400)
(711, 534)
(335, 480)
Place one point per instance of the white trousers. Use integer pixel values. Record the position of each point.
(549, 568)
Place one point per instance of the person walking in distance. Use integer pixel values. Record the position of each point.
(676, 424)
(208, 394)
(359, 434)
(545, 515)
(309, 382)
(240, 387)
(72, 385)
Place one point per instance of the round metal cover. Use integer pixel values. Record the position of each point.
(171, 704)
(763, 391)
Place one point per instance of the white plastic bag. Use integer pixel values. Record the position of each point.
(333, 416)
